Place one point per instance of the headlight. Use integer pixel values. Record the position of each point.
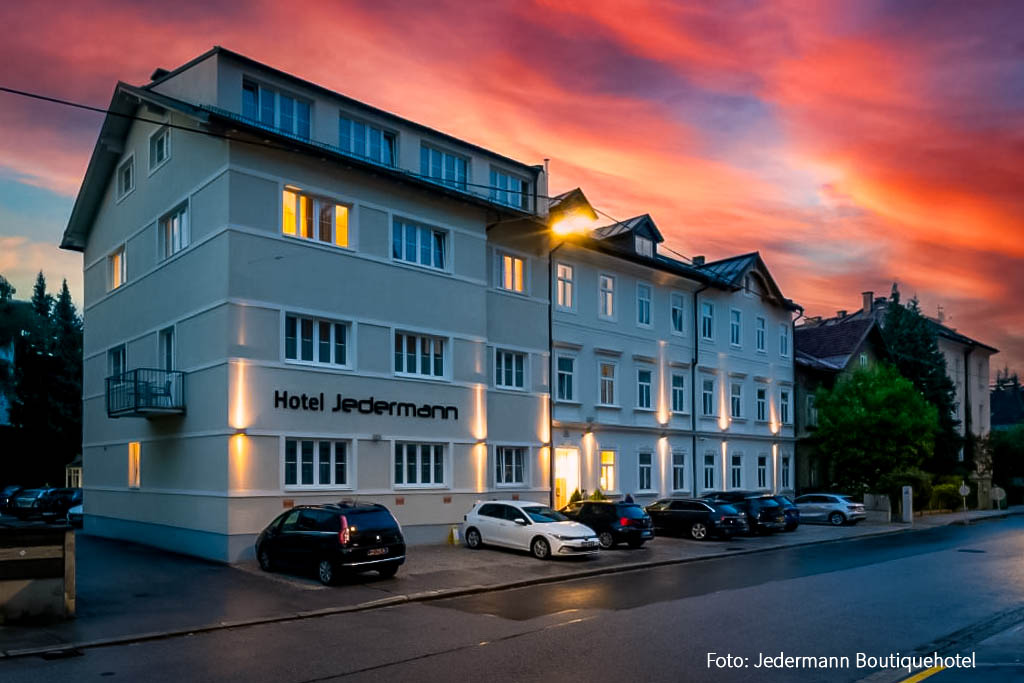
(567, 538)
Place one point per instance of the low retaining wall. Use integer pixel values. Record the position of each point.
(37, 573)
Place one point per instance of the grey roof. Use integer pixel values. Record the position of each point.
(628, 225)
(833, 345)
(732, 269)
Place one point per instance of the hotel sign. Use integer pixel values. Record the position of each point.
(316, 403)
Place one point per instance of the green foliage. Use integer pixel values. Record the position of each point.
(7, 290)
(41, 301)
(872, 423)
(892, 484)
(597, 495)
(1006, 448)
(575, 497)
(946, 497)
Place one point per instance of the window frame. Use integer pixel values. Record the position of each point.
(704, 393)
(502, 273)
(707, 313)
(166, 345)
(784, 472)
(709, 468)
(426, 174)
(134, 465)
(367, 127)
(640, 467)
(565, 286)
(163, 131)
(601, 379)
(643, 246)
(445, 465)
(446, 249)
(679, 469)
(735, 328)
(498, 351)
(736, 401)
(316, 322)
(601, 299)
(446, 358)
(604, 468)
(762, 471)
(672, 308)
(278, 92)
(494, 188)
(164, 242)
(785, 407)
(672, 393)
(761, 334)
(122, 350)
(784, 340)
(572, 378)
(120, 191)
(117, 265)
(650, 389)
(317, 465)
(499, 453)
(641, 286)
(736, 468)
(317, 203)
(761, 403)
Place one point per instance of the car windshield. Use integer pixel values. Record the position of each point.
(541, 514)
(632, 511)
(784, 500)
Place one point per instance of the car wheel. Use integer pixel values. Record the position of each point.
(606, 540)
(325, 572)
(836, 519)
(473, 539)
(387, 571)
(266, 563)
(699, 531)
(540, 548)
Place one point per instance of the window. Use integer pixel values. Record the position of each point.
(762, 404)
(784, 475)
(419, 464)
(315, 463)
(784, 340)
(510, 463)
(762, 471)
(159, 148)
(644, 468)
(117, 272)
(510, 190)
(812, 412)
(709, 470)
(707, 397)
(643, 304)
(707, 320)
(117, 361)
(510, 273)
(982, 377)
(275, 109)
(863, 360)
(166, 350)
(736, 471)
(443, 167)
(566, 369)
(678, 393)
(643, 389)
(509, 369)
(134, 465)
(312, 340)
(736, 400)
(644, 246)
(314, 218)
(784, 406)
(678, 322)
(607, 481)
(363, 140)
(174, 232)
(564, 289)
(759, 332)
(419, 355)
(126, 177)
(735, 327)
(414, 243)
(606, 296)
(606, 372)
(678, 471)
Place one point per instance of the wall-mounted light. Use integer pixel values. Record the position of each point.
(481, 442)
(240, 431)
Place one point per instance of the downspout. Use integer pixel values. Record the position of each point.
(551, 377)
(693, 388)
(796, 406)
(968, 440)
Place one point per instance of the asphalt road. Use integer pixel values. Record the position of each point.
(952, 589)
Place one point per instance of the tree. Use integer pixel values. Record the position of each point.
(870, 424)
(1007, 453)
(66, 384)
(7, 290)
(41, 301)
(913, 344)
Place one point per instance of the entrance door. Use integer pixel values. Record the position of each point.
(567, 474)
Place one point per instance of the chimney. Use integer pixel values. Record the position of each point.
(698, 260)
(868, 301)
(841, 314)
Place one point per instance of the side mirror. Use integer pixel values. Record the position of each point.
(520, 521)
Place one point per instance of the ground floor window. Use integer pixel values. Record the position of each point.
(678, 471)
(134, 464)
(607, 481)
(644, 467)
(419, 464)
(709, 470)
(316, 463)
(736, 480)
(784, 475)
(510, 465)
(762, 471)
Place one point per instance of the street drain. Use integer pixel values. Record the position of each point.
(970, 550)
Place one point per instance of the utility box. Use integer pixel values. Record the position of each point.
(37, 573)
(907, 507)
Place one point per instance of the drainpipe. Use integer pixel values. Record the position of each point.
(967, 406)
(551, 376)
(693, 389)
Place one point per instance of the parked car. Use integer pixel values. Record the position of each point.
(57, 502)
(764, 514)
(75, 516)
(28, 503)
(614, 522)
(333, 539)
(7, 495)
(833, 508)
(791, 511)
(527, 526)
(697, 518)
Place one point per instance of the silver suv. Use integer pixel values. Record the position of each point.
(833, 508)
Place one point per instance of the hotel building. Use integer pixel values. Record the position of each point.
(292, 297)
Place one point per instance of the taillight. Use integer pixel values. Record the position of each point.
(344, 536)
(722, 518)
(623, 521)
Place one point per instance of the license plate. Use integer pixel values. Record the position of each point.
(646, 533)
(377, 551)
(590, 544)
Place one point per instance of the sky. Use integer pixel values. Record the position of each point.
(854, 144)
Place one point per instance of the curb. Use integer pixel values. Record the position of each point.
(75, 649)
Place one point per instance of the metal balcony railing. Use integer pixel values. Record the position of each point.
(146, 392)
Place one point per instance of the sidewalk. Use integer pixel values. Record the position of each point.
(130, 592)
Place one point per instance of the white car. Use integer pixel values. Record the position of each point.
(527, 526)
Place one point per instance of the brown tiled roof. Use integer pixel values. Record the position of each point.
(832, 343)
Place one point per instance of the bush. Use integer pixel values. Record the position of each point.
(575, 497)
(597, 495)
(946, 497)
(892, 485)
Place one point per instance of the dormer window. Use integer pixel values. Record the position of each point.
(275, 109)
(510, 190)
(364, 140)
(643, 246)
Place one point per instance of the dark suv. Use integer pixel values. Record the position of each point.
(55, 503)
(614, 522)
(764, 514)
(697, 518)
(333, 538)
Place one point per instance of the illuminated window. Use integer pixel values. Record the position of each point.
(643, 304)
(126, 177)
(784, 340)
(707, 320)
(174, 232)
(736, 400)
(607, 382)
(367, 141)
(644, 467)
(607, 482)
(510, 190)
(311, 340)
(736, 471)
(419, 464)
(643, 389)
(117, 271)
(784, 406)
(275, 109)
(707, 397)
(418, 244)
(762, 471)
(678, 393)
(509, 369)
(510, 273)
(159, 148)
(419, 355)
(678, 322)
(762, 404)
(314, 463)
(566, 374)
(678, 470)
(735, 327)
(606, 294)
(564, 287)
(709, 470)
(644, 246)
(314, 218)
(443, 167)
(759, 334)
(134, 465)
(510, 465)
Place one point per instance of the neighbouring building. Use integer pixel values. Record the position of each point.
(1007, 401)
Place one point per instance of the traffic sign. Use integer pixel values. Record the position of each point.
(965, 490)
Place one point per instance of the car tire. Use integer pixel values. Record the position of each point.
(836, 519)
(265, 560)
(699, 531)
(325, 572)
(473, 539)
(606, 540)
(540, 548)
(388, 571)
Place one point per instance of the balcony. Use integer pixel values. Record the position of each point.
(146, 392)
